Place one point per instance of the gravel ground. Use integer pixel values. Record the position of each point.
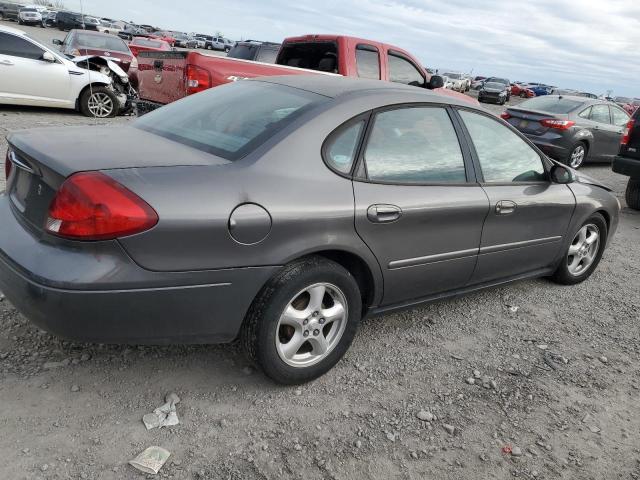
(531, 380)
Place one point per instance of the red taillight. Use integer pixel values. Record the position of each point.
(8, 164)
(198, 79)
(505, 115)
(93, 206)
(557, 124)
(625, 135)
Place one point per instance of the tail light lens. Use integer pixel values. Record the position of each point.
(8, 165)
(505, 115)
(198, 79)
(625, 134)
(93, 206)
(557, 124)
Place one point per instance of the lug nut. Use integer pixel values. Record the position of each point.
(305, 321)
(316, 332)
(306, 333)
(322, 320)
(315, 314)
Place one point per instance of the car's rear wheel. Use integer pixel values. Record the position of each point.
(303, 321)
(584, 252)
(632, 195)
(577, 155)
(99, 102)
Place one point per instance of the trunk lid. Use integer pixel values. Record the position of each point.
(44, 157)
(528, 121)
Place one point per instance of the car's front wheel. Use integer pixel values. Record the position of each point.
(584, 252)
(99, 102)
(303, 321)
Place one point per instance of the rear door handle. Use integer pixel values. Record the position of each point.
(383, 213)
(505, 207)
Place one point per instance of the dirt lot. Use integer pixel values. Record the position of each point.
(557, 384)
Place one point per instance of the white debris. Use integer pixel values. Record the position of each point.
(163, 416)
(151, 460)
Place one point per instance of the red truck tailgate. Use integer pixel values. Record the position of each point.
(161, 76)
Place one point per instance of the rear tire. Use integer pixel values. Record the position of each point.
(577, 155)
(574, 267)
(94, 103)
(267, 330)
(632, 195)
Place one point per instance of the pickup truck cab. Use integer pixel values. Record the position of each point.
(164, 77)
(628, 160)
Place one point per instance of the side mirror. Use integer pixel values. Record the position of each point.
(562, 174)
(436, 82)
(56, 41)
(48, 57)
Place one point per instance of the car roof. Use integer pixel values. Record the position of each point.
(336, 86)
(91, 32)
(15, 31)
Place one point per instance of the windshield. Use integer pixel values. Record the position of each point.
(455, 76)
(622, 100)
(144, 42)
(551, 104)
(245, 52)
(504, 81)
(494, 85)
(101, 42)
(232, 120)
(28, 10)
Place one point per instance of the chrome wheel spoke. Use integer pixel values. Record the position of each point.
(573, 249)
(334, 313)
(293, 317)
(319, 344)
(290, 348)
(316, 295)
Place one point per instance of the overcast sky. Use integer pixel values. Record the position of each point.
(591, 45)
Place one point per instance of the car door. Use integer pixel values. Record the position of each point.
(619, 120)
(528, 215)
(417, 205)
(26, 78)
(603, 131)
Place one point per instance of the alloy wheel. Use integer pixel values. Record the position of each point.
(100, 105)
(577, 156)
(583, 249)
(311, 325)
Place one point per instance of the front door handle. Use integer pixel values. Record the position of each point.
(505, 207)
(6, 62)
(383, 213)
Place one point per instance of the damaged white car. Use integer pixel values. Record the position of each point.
(32, 74)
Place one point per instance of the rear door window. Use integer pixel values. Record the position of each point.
(368, 62)
(402, 70)
(267, 55)
(600, 114)
(620, 117)
(414, 145)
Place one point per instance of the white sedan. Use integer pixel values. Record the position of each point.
(32, 74)
(106, 27)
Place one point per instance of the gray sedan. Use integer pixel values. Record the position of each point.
(572, 129)
(282, 211)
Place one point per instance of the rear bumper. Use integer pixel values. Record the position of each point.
(92, 291)
(626, 166)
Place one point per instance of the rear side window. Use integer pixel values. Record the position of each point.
(504, 157)
(402, 70)
(600, 114)
(414, 145)
(319, 55)
(368, 62)
(15, 46)
(231, 120)
(551, 104)
(244, 52)
(340, 150)
(267, 55)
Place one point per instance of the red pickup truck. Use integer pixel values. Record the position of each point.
(164, 77)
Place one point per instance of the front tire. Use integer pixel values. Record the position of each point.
(583, 253)
(632, 195)
(99, 102)
(303, 321)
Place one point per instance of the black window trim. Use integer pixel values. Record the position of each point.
(396, 53)
(546, 163)
(360, 173)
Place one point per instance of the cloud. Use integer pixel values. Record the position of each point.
(591, 45)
